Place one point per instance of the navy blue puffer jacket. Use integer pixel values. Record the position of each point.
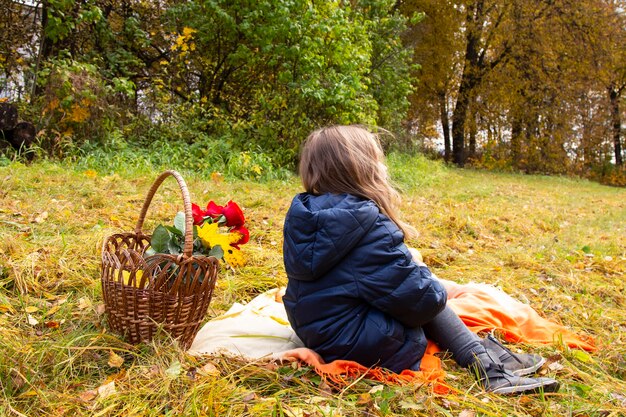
(354, 292)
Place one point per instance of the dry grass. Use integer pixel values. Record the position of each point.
(559, 244)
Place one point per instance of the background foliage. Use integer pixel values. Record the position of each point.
(521, 85)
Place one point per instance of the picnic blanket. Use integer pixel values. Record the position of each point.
(260, 329)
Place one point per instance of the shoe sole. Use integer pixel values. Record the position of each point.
(530, 370)
(528, 388)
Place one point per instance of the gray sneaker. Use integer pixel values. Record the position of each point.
(493, 377)
(519, 364)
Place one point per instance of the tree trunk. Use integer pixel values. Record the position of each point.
(516, 142)
(473, 130)
(614, 97)
(445, 125)
(469, 80)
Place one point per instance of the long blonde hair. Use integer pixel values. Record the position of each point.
(349, 159)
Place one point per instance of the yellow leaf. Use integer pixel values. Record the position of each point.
(210, 235)
(107, 390)
(6, 308)
(52, 310)
(31, 309)
(91, 173)
(216, 176)
(115, 360)
(581, 355)
(79, 113)
(187, 31)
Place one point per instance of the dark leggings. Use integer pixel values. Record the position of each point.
(450, 333)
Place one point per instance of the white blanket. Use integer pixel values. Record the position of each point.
(255, 330)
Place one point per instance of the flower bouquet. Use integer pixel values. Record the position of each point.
(217, 231)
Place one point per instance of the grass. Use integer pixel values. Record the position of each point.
(558, 244)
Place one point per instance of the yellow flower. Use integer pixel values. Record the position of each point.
(126, 276)
(234, 257)
(210, 235)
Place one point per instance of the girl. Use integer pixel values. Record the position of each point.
(355, 290)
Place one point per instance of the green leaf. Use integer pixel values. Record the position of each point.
(160, 239)
(174, 230)
(179, 221)
(586, 249)
(174, 370)
(173, 247)
(581, 355)
(217, 251)
(581, 389)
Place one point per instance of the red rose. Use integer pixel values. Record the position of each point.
(245, 236)
(214, 210)
(233, 214)
(198, 214)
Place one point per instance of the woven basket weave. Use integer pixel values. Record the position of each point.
(162, 291)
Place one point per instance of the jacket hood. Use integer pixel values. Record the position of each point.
(320, 230)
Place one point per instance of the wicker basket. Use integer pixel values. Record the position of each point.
(162, 291)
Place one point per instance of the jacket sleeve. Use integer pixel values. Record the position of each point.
(390, 281)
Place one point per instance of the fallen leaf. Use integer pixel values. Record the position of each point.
(106, 390)
(364, 398)
(115, 360)
(581, 356)
(31, 309)
(100, 309)
(209, 369)
(88, 396)
(376, 388)
(84, 303)
(60, 301)
(410, 405)
(6, 308)
(174, 370)
(32, 321)
(52, 324)
(249, 397)
(467, 413)
(41, 218)
(31, 393)
(52, 310)
(91, 173)
(216, 176)
(17, 379)
(294, 412)
(555, 366)
(619, 398)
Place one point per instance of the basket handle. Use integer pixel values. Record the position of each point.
(188, 248)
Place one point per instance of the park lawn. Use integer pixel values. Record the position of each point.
(557, 244)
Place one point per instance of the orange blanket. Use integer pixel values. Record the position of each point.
(481, 307)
